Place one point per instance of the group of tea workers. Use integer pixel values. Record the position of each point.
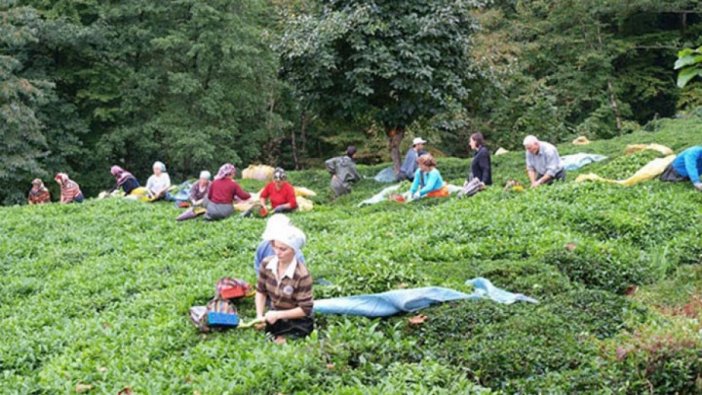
(283, 297)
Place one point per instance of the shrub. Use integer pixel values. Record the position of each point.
(597, 312)
(609, 267)
(523, 346)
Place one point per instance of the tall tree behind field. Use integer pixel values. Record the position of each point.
(191, 83)
(563, 68)
(40, 130)
(392, 62)
(195, 84)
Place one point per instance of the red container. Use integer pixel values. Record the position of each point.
(233, 292)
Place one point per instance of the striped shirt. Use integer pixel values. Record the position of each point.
(294, 289)
(69, 191)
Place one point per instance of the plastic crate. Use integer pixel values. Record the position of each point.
(232, 292)
(222, 319)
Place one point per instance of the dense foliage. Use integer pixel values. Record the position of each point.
(97, 294)
(290, 82)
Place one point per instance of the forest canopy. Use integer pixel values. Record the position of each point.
(193, 83)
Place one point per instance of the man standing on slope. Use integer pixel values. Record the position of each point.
(343, 171)
(686, 166)
(542, 162)
(409, 166)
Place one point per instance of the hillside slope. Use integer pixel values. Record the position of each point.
(98, 294)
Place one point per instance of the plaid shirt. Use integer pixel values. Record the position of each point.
(69, 191)
(293, 290)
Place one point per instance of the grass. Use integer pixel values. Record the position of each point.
(98, 294)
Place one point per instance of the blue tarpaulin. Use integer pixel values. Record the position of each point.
(576, 161)
(409, 300)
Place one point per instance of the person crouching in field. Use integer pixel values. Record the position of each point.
(543, 163)
(686, 166)
(39, 194)
(198, 192)
(343, 172)
(222, 192)
(265, 247)
(280, 193)
(124, 180)
(158, 184)
(287, 285)
(70, 190)
(427, 179)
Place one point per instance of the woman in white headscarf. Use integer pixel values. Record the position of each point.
(286, 285)
(158, 184)
(265, 247)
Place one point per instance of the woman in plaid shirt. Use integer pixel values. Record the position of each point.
(287, 285)
(70, 190)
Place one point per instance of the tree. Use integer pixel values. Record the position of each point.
(23, 143)
(390, 61)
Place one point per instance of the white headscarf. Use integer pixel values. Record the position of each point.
(289, 235)
(275, 221)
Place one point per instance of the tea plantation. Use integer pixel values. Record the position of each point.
(95, 297)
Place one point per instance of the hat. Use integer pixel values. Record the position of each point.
(279, 174)
(418, 140)
(37, 181)
(205, 174)
(275, 221)
(289, 235)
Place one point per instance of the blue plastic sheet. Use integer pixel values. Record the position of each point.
(409, 300)
(385, 175)
(576, 161)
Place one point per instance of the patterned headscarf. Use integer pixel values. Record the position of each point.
(61, 177)
(227, 170)
(120, 174)
(279, 174)
(38, 185)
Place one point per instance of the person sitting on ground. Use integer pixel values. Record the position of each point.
(427, 179)
(343, 171)
(409, 166)
(543, 163)
(686, 166)
(223, 190)
(70, 190)
(124, 180)
(198, 192)
(480, 167)
(280, 193)
(158, 184)
(286, 285)
(265, 247)
(39, 194)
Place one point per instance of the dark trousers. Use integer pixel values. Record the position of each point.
(671, 175)
(292, 329)
(560, 176)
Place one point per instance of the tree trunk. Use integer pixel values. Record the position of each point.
(610, 89)
(615, 107)
(294, 149)
(395, 136)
